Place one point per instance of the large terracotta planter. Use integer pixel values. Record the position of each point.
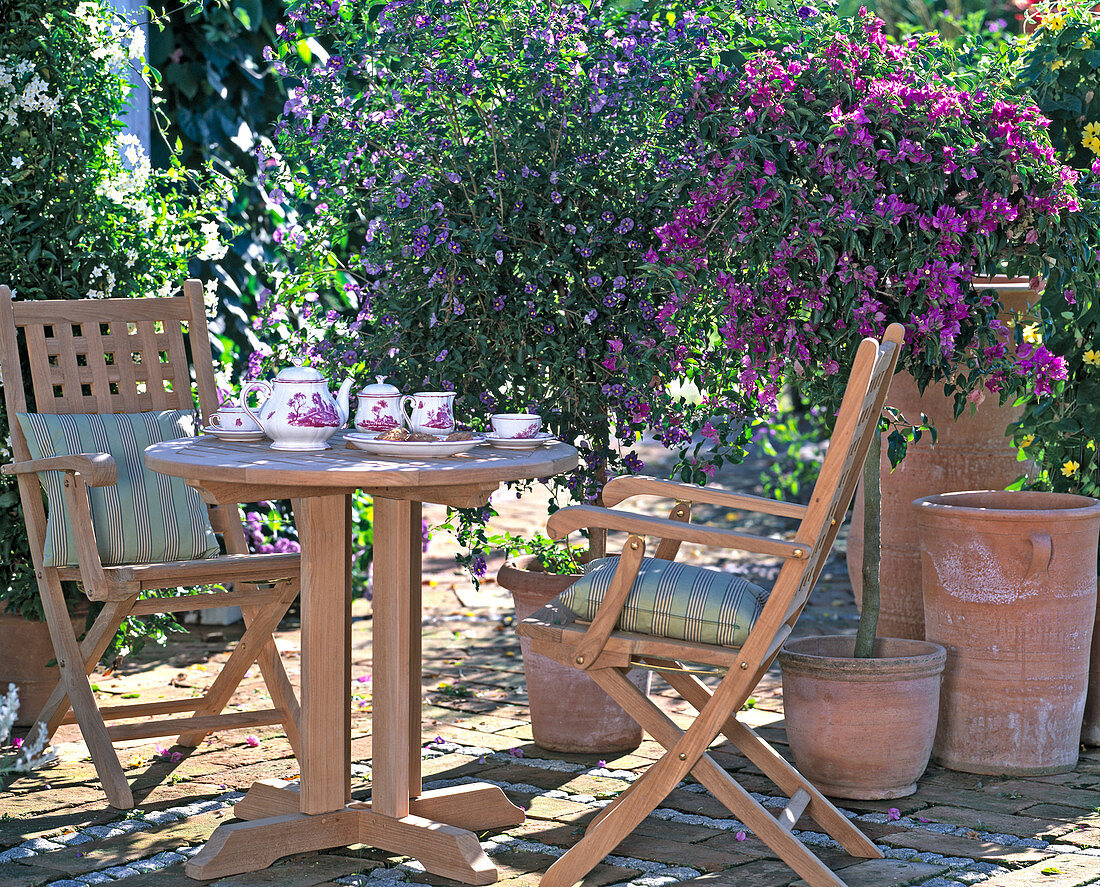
(569, 711)
(971, 453)
(1010, 591)
(25, 649)
(861, 728)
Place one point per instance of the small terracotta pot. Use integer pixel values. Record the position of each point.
(861, 728)
(1010, 590)
(971, 453)
(569, 711)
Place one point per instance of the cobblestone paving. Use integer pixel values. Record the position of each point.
(959, 829)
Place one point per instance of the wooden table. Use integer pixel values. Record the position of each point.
(432, 826)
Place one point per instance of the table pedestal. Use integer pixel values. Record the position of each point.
(435, 831)
(400, 818)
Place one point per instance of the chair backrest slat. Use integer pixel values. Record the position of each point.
(853, 433)
(109, 355)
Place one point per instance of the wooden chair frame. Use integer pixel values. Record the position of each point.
(122, 356)
(607, 654)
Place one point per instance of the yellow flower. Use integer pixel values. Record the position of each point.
(1092, 358)
(1092, 130)
(1069, 467)
(1032, 335)
(671, 18)
(1056, 64)
(1093, 144)
(1054, 22)
(1028, 440)
(1086, 41)
(1091, 445)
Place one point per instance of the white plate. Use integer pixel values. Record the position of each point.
(519, 443)
(226, 434)
(414, 448)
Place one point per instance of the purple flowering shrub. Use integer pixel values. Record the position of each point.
(471, 191)
(852, 182)
(270, 531)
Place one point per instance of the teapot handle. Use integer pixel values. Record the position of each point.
(254, 386)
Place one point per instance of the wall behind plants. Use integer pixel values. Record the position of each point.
(82, 212)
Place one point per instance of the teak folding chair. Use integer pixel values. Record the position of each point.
(125, 362)
(606, 651)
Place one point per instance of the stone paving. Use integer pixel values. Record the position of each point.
(958, 829)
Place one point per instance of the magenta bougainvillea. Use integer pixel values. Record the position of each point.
(851, 182)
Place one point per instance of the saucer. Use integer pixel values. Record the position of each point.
(519, 443)
(226, 434)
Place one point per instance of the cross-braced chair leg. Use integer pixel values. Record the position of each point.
(775, 767)
(260, 624)
(616, 822)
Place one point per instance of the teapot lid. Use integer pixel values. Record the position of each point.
(380, 386)
(298, 373)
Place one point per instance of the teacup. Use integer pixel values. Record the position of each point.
(516, 425)
(233, 417)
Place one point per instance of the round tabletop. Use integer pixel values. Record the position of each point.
(206, 458)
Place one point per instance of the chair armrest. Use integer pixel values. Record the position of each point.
(97, 469)
(619, 488)
(578, 517)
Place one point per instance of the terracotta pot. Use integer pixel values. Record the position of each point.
(569, 711)
(971, 453)
(861, 728)
(1010, 590)
(25, 649)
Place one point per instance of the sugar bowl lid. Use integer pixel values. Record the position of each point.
(380, 387)
(298, 373)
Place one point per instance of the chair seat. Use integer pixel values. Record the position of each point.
(673, 600)
(555, 632)
(129, 579)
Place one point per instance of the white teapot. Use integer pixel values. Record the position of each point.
(300, 412)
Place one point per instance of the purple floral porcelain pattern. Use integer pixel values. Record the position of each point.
(315, 413)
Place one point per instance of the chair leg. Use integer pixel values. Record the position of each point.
(91, 648)
(776, 768)
(280, 688)
(726, 789)
(74, 683)
(256, 636)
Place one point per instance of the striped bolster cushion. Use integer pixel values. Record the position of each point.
(145, 517)
(673, 600)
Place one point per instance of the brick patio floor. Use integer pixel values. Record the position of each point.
(56, 829)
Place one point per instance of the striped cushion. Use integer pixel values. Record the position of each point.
(145, 517)
(673, 600)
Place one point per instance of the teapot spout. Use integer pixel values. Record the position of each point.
(343, 402)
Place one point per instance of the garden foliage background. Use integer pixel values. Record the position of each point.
(76, 212)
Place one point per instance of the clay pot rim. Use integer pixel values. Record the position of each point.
(524, 563)
(1059, 506)
(907, 666)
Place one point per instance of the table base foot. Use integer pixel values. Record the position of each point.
(267, 798)
(476, 806)
(239, 847)
(437, 832)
